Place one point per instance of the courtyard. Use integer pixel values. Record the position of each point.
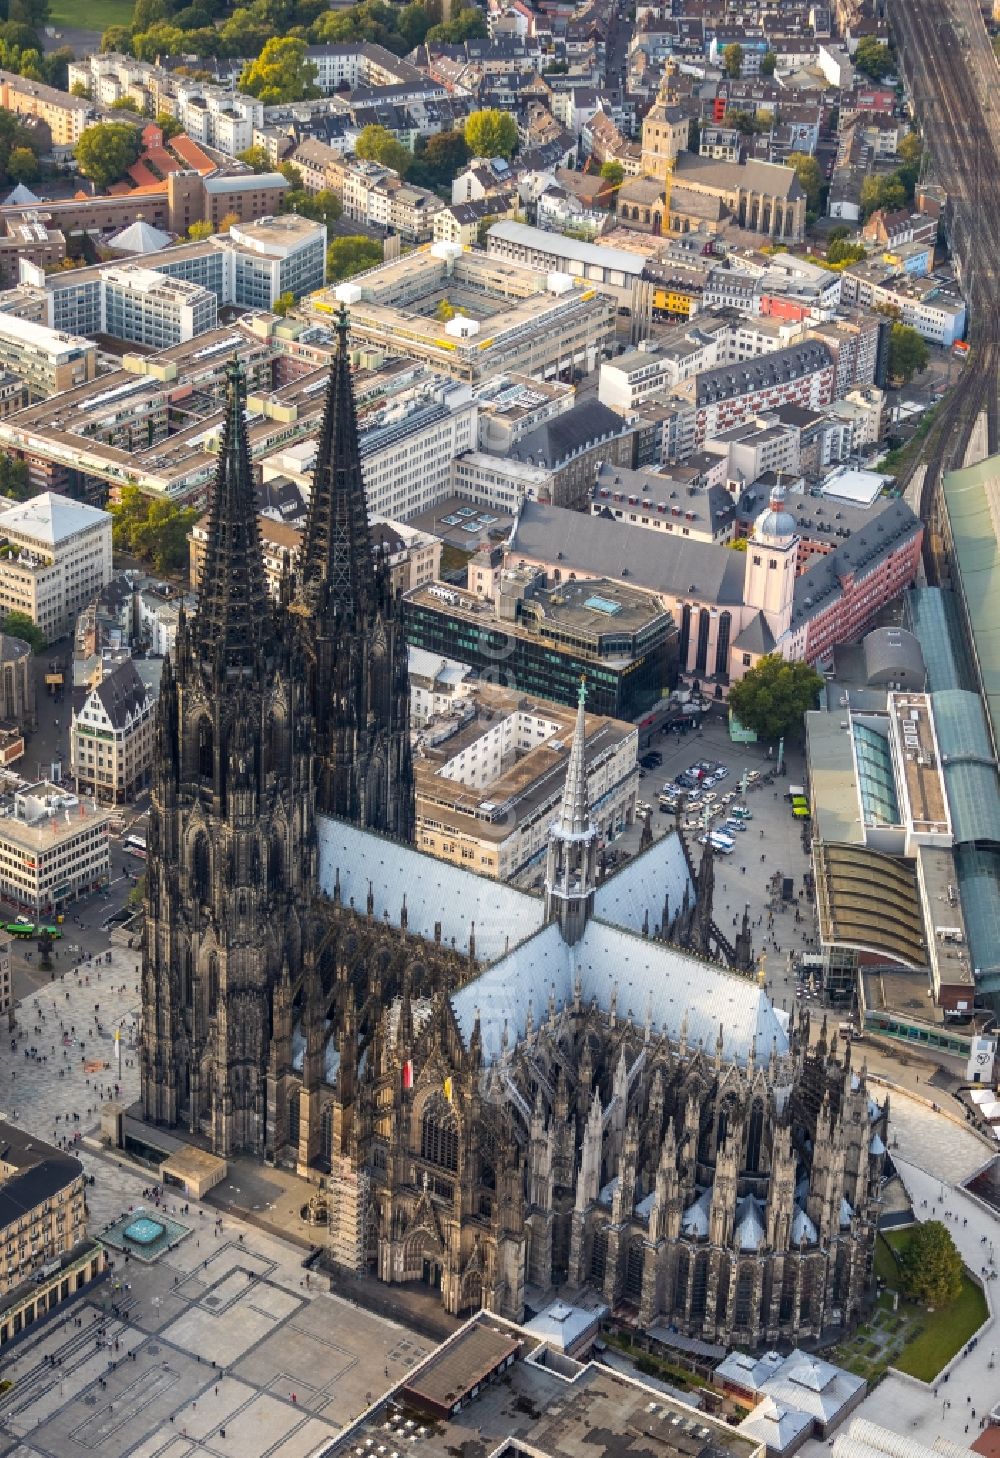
(903, 1335)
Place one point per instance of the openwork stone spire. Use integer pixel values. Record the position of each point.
(571, 864)
(338, 575)
(233, 624)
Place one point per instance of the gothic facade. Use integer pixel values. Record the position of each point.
(500, 1094)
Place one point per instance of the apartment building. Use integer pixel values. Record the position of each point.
(802, 374)
(376, 195)
(47, 360)
(53, 848)
(936, 310)
(66, 116)
(111, 736)
(220, 117)
(55, 554)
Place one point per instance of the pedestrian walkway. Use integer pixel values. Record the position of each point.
(64, 1062)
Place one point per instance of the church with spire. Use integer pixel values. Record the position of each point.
(499, 1094)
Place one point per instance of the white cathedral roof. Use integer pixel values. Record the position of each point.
(528, 960)
(694, 1221)
(803, 1229)
(641, 885)
(749, 1225)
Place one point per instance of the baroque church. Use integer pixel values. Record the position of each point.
(499, 1094)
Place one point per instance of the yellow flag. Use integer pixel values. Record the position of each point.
(447, 1088)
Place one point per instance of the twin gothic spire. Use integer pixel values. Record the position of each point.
(343, 630)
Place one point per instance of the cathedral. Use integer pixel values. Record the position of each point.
(499, 1094)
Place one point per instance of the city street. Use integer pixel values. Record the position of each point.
(47, 751)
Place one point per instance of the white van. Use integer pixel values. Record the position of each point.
(722, 842)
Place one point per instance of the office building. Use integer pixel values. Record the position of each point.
(47, 360)
(143, 307)
(620, 638)
(53, 848)
(489, 772)
(511, 319)
(251, 266)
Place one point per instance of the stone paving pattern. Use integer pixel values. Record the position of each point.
(222, 1332)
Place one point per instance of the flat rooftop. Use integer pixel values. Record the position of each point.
(923, 782)
(529, 779)
(546, 1402)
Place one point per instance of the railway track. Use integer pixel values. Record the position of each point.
(953, 79)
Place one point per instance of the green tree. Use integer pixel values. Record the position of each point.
(79, 89)
(614, 173)
(347, 256)
(19, 625)
(732, 61)
(468, 24)
(243, 34)
(23, 166)
(873, 58)
(810, 175)
(768, 61)
(152, 528)
(14, 483)
(291, 174)
(931, 1266)
(280, 73)
(910, 149)
(773, 697)
(106, 151)
(256, 159)
(413, 24)
(438, 160)
(168, 125)
(907, 352)
(283, 303)
(117, 38)
(200, 229)
(323, 206)
(491, 133)
(377, 144)
(886, 193)
(744, 121)
(33, 13)
(127, 103)
(841, 251)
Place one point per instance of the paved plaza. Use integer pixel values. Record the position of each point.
(225, 1331)
(772, 843)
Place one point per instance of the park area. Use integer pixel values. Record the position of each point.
(97, 14)
(911, 1338)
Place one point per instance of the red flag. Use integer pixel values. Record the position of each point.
(408, 1073)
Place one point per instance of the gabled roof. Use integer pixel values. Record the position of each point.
(122, 694)
(554, 441)
(529, 960)
(675, 565)
(756, 637)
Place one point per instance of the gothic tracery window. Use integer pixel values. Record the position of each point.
(439, 1135)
